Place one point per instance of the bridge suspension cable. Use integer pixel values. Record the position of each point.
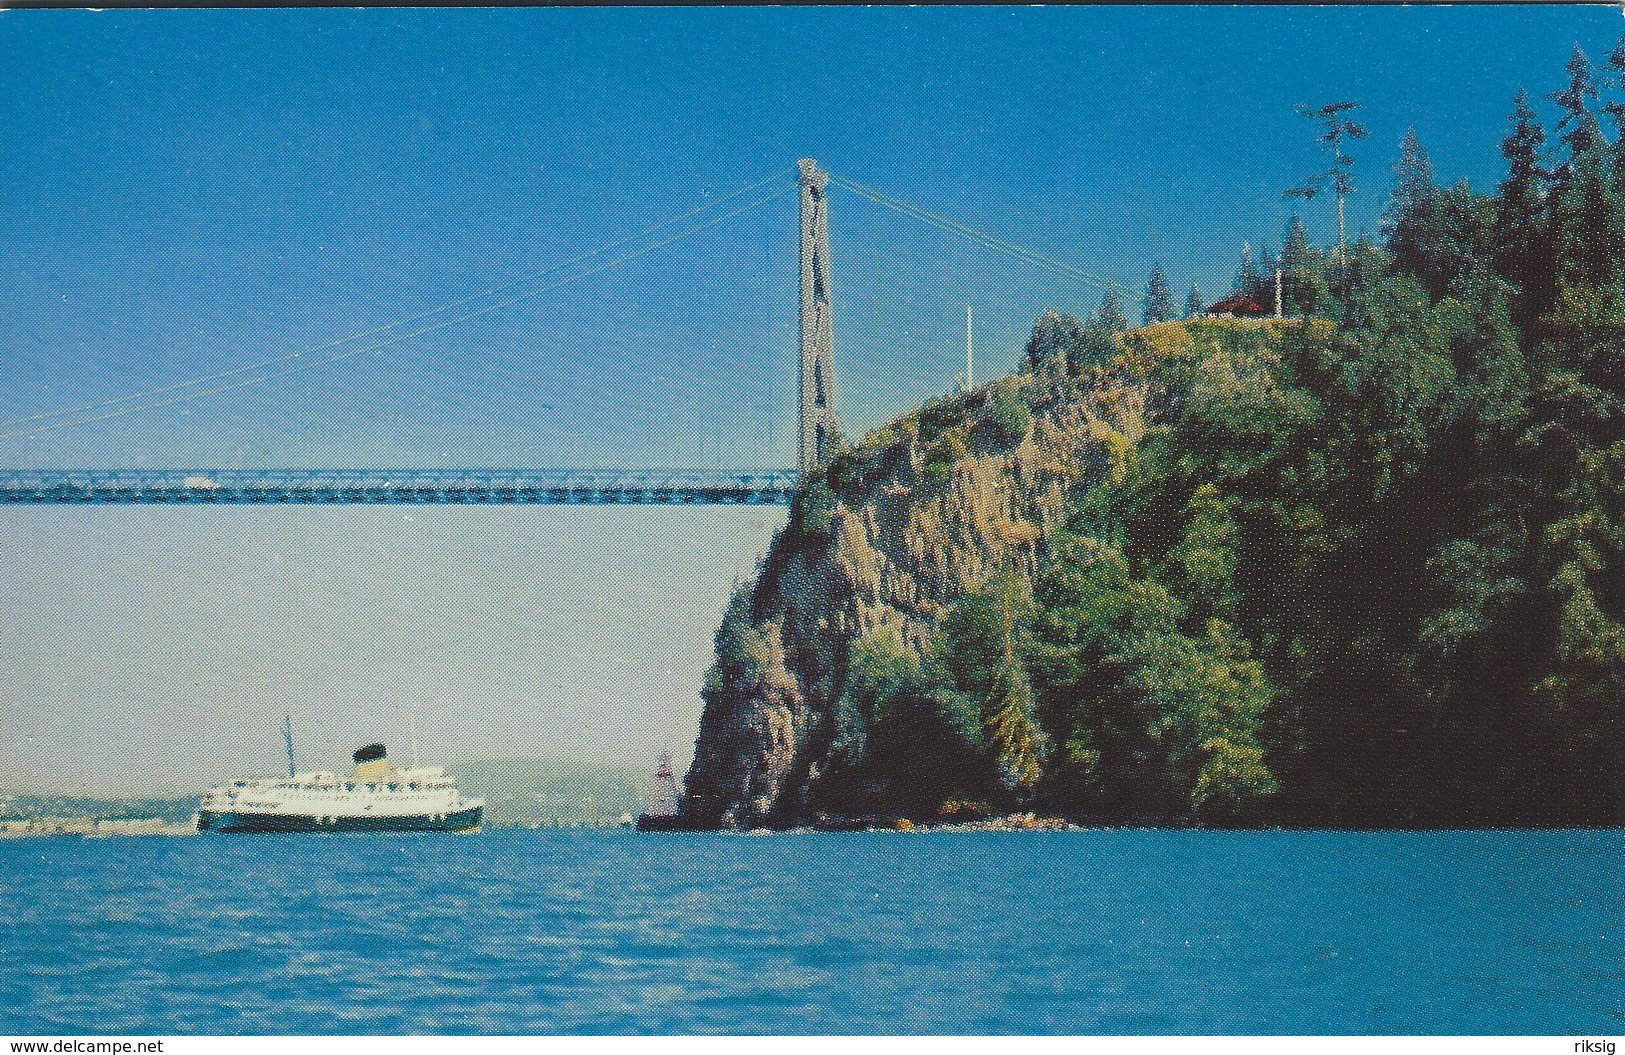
(135, 402)
(470, 306)
(989, 241)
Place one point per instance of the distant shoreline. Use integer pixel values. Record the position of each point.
(10, 831)
(94, 828)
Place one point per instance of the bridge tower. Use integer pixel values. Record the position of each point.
(820, 428)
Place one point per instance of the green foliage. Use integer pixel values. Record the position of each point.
(813, 506)
(733, 637)
(977, 629)
(1373, 571)
(1157, 719)
(1017, 742)
(1304, 284)
(1007, 414)
(1575, 100)
(1204, 562)
(930, 748)
(844, 474)
(938, 415)
(1206, 698)
(1436, 236)
(1338, 128)
(1060, 344)
(1520, 243)
(1413, 185)
(1100, 348)
(906, 739)
(1586, 217)
(1055, 343)
(1110, 317)
(949, 449)
(879, 669)
(1367, 567)
(1250, 281)
(1159, 299)
(984, 637)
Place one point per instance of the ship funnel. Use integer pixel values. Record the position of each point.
(371, 764)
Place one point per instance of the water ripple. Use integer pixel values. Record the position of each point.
(537, 932)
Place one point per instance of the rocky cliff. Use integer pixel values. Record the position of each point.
(894, 532)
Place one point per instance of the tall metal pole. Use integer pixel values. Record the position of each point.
(820, 428)
(970, 353)
(1342, 234)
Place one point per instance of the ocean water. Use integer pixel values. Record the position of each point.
(1081, 932)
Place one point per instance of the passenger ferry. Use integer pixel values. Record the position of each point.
(376, 798)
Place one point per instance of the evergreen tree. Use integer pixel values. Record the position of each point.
(1159, 299)
(1413, 182)
(1522, 251)
(1194, 304)
(1575, 100)
(1303, 284)
(1110, 316)
(1055, 343)
(1249, 280)
(1007, 415)
(1587, 217)
(1616, 108)
(984, 639)
(1577, 443)
(1268, 264)
(879, 669)
(1340, 177)
(1061, 345)
(1017, 741)
(1440, 236)
(1413, 196)
(1366, 264)
(1295, 248)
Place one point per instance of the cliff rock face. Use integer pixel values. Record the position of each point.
(898, 529)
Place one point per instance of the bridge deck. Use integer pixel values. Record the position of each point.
(402, 486)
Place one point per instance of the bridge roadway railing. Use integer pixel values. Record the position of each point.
(394, 486)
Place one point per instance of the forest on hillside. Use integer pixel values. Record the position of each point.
(1364, 566)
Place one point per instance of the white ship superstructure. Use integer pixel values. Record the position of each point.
(376, 797)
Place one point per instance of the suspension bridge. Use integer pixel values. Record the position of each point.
(384, 486)
(818, 423)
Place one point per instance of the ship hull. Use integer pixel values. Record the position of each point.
(237, 821)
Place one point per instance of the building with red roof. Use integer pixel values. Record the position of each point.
(1239, 304)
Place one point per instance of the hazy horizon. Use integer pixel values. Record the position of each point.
(156, 649)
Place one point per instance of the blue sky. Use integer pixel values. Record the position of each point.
(189, 191)
(186, 192)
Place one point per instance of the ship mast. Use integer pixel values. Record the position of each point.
(287, 740)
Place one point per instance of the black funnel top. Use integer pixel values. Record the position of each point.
(368, 753)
